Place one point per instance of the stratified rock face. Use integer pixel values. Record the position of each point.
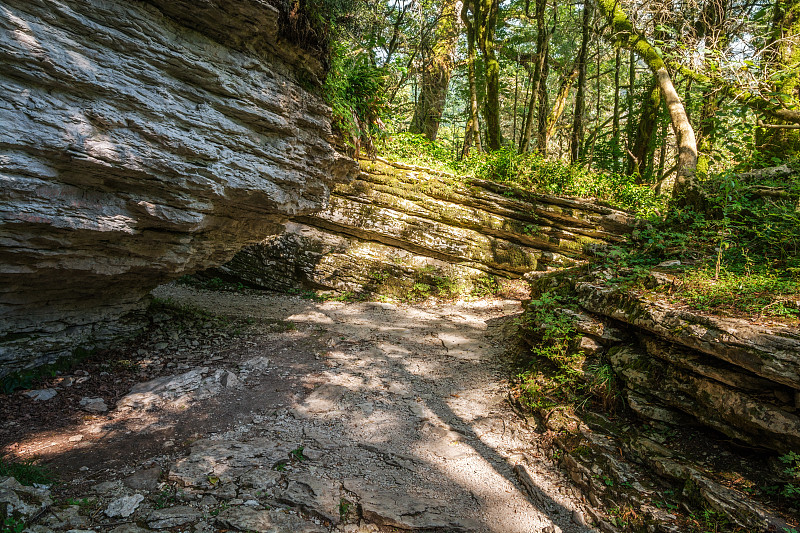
(134, 149)
(394, 227)
(679, 366)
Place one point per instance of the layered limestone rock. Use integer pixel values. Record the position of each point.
(395, 227)
(140, 142)
(679, 366)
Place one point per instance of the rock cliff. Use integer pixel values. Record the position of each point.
(710, 402)
(680, 366)
(140, 142)
(398, 227)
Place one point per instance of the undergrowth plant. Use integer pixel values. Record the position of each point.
(792, 471)
(530, 172)
(570, 378)
(355, 91)
(738, 258)
(26, 471)
(27, 379)
(545, 312)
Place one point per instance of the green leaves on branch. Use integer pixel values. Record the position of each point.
(355, 89)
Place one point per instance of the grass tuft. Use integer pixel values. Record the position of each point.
(27, 471)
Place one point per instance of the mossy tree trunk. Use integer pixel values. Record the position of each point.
(576, 140)
(539, 67)
(687, 190)
(436, 72)
(711, 28)
(615, 136)
(486, 12)
(630, 101)
(641, 153)
(472, 134)
(561, 101)
(783, 66)
(544, 104)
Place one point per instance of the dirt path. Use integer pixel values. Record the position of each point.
(321, 416)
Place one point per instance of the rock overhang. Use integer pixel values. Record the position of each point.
(137, 147)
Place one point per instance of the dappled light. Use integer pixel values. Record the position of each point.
(370, 266)
(399, 409)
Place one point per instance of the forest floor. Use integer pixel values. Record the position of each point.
(268, 412)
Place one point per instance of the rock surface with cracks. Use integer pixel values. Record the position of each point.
(358, 418)
(137, 146)
(397, 226)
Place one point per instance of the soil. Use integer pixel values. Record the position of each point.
(398, 409)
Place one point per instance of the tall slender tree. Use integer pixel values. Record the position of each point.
(472, 134)
(486, 13)
(576, 141)
(686, 186)
(437, 67)
(783, 67)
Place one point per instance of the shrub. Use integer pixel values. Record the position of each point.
(355, 90)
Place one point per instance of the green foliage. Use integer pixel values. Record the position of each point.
(535, 173)
(741, 257)
(306, 294)
(344, 508)
(446, 286)
(710, 521)
(297, 454)
(27, 471)
(545, 317)
(759, 216)
(531, 172)
(416, 149)
(572, 379)
(485, 285)
(12, 525)
(355, 89)
(420, 291)
(546, 313)
(27, 379)
(315, 24)
(750, 292)
(165, 498)
(218, 509)
(212, 284)
(792, 462)
(83, 503)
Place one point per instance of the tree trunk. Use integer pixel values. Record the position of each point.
(687, 190)
(472, 134)
(576, 142)
(783, 55)
(629, 98)
(711, 28)
(516, 102)
(615, 143)
(538, 67)
(705, 133)
(486, 21)
(561, 101)
(526, 107)
(544, 104)
(641, 149)
(436, 71)
(662, 157)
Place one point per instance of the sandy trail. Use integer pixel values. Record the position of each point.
(424, 384)
(349, 417)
